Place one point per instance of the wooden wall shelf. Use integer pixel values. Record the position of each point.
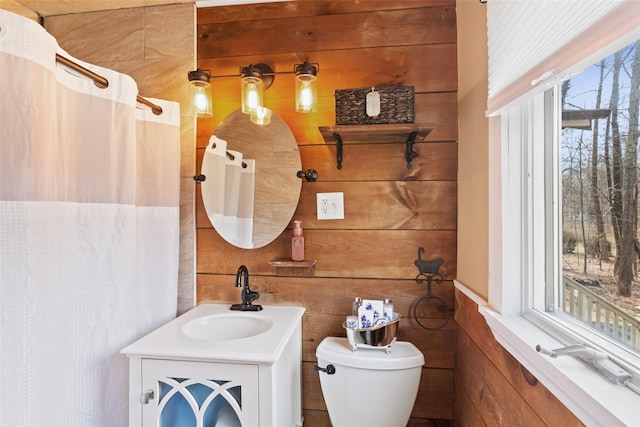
(304, 268)
(354, 134)
(407, 133)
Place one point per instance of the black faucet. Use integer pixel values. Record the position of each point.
(248, 296)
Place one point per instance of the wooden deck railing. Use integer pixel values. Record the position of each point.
(590, 308)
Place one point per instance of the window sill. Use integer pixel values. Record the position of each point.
(591, 397)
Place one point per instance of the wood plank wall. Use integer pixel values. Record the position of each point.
(390, 210)
(492, 388)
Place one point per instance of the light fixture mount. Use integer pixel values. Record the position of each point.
(306, 68)
(260, 71)
(199, 76)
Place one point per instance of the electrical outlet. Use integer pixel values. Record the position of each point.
(330, 205)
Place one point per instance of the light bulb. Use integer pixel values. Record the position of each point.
(305, 98)
(251, 93)
(201, 103)
(252, 97)
(261, 116)
(306, 88)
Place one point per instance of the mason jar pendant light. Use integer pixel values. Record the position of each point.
(306, 88)
(253, 80)
(200, 93)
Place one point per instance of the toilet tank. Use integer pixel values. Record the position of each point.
(369, 386)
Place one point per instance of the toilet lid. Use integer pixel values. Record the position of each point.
(338, 350)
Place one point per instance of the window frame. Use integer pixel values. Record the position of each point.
(524, 205)
(544, 305)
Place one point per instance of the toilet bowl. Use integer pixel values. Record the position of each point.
(368, 387)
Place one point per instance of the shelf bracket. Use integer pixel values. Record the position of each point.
(409, 153)
(336, 135)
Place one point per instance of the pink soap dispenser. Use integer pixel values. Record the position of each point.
(297, 242)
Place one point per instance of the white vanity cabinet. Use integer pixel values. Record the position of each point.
(179, 381)
(198, 394)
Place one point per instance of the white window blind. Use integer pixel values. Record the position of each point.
(541, 40)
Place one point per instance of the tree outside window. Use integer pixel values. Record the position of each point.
(599, 161)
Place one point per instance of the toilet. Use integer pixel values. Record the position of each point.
(368, 387)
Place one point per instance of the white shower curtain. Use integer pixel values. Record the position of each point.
(237, 221)
(244, 217)
(89, 227)
(228, 192)
(213, 187)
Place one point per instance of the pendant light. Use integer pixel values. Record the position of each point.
(200, 93)
(306, 88)
(254, 80)
(252, 85)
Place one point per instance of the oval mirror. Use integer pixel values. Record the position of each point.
(251, 189)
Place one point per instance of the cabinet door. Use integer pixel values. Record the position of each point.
(199, 394)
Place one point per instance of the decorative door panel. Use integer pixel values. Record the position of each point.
(199, 394)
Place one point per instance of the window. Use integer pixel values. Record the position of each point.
(542, 167)
(568, 157)
(598, 191)
(532, 47)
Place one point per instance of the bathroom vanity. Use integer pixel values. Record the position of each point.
(216, 367)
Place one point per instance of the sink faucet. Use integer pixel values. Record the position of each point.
(248, 296)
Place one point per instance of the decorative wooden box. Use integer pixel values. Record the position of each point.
(397, 105)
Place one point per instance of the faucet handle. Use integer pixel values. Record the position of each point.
(253, 295)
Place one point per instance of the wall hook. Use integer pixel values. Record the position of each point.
(311, 175)
(428, 270)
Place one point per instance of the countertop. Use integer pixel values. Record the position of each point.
(169, 342)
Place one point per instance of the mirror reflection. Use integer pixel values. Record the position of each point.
(251, 189)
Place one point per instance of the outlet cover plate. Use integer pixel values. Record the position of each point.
(330, 205)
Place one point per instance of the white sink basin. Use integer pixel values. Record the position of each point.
(225, 327)
(212, 332)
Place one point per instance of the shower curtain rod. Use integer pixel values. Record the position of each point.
(103, 82)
